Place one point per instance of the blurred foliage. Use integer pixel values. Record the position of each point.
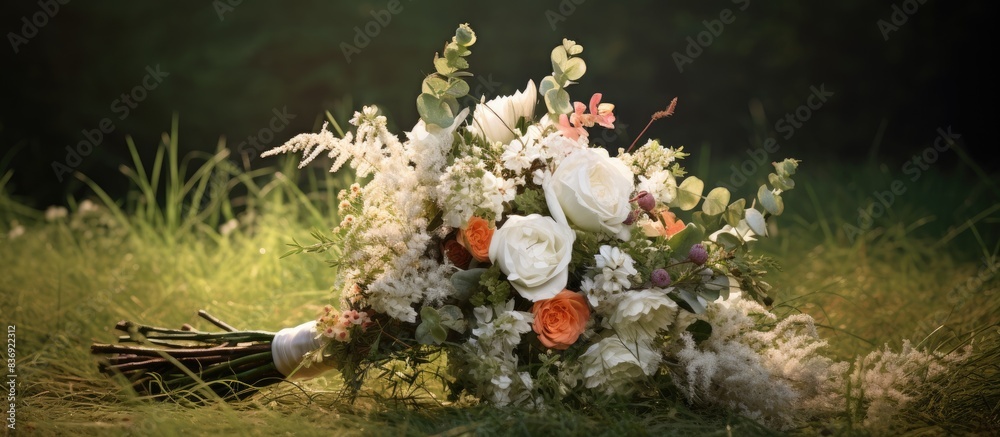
(230, 68)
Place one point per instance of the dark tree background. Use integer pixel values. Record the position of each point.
(227, 67)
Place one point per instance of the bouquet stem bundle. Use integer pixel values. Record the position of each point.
(161, 362)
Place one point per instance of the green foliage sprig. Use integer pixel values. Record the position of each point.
(438, 102)
(566, 68)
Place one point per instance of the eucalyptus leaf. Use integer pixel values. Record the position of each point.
(434, 85)
(452, 318)
(728, 241)
(457, 88)
(433, 110)
(691, 302)
(430, 334)
(770, 201)
(716, 201)
(466, 282)
(780, 182)
(557, 101)
(681, 242)
(787, 167)
(464, 35)
(443, 67)
(735, 211)
(688, 193)
(558, 56)
(430, 315)
(549, 83)
(755, 220)
(574, 68)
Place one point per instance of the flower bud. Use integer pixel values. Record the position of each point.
(645, 201)
(632, 217)
(698, 255)
(660, 278)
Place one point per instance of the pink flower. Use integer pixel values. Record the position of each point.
(602, 112)
(572, 126)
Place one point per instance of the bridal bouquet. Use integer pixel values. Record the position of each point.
(543, 266)
(541, 263)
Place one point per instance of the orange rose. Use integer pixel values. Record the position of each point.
(560, 321)
(476, 237)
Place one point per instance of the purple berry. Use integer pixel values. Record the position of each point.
(660, 278)
(698, 255)
(645, 201)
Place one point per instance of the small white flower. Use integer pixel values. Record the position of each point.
(616, 266)
(661, 184)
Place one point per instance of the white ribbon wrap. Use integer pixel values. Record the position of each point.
(290, 345)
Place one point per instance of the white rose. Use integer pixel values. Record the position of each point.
(612, 364)
(496, 119)
(593, 190)
(534, 252)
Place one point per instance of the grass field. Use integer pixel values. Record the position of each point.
(925, 271)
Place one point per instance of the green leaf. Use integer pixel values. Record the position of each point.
(465, 282)
(787, 167)
(457, 88)
(434, 111)
(549, 83)
(434, 86)
(755, 220)
(557, 101)
(770, 201)
(430, 315)
(716, 201)
(728, 241)
(681, 242)
(452, 318)
(464, 35)
(780, 183)
(700, 330)
(443, 67)
(558, 56)
(704, 220)
(735, 212)
(574, 68)
(690, 301)
(688, 193)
